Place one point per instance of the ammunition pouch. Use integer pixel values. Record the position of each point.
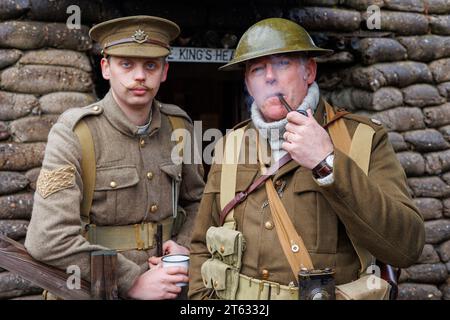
(221, 271)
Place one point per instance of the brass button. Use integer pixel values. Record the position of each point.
(154, 208)
(268, 225)
(113, 184)
(222, 249)
(216, 283)
(96, 108)
(150, 175)
(278, 183)
(265, 274)
(142, 142)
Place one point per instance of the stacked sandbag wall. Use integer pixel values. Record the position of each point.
(44, 70)
(399, 74)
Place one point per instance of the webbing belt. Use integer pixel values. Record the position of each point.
(121, 238)
(255, 289)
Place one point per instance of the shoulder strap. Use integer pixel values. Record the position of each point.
(360, 151)
(229, 171)
(88, 170)
(338, 130)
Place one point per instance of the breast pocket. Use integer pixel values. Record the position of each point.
(114, 193)
(315, 218)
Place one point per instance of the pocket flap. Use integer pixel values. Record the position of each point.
(118, 177)
(222, 240)
(172, 170)
(214, 274)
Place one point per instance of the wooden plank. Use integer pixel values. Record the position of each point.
(16, 259)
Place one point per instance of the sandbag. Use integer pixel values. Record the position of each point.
(396, 74)
(401, 119)
(9, 57)
(35, 35)
(426, 140)
(430, 209)
(49, 79)
(65, 58)
(321, 18)
(437, 116)
(426, 48)
(429, 187)
(375, 50)
(402, 23)
(16, 206)
(440, 24)
(440, 70)
(14, 105)
(437, 162)
(21, 156)
(58, 102)
(412, 162)
(420, 95)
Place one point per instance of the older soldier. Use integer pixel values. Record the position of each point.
(336, 198)
(111, 163)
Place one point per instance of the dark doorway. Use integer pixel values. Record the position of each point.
(214, 97)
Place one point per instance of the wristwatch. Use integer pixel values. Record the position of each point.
(324, 168)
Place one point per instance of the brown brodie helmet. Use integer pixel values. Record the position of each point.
(273, 36)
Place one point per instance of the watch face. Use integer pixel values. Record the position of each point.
(330, 159)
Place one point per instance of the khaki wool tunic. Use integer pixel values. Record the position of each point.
(133, 184)
(376, 209)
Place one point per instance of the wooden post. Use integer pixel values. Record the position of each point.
(103, 275)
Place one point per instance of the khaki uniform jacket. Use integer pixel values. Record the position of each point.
(54, 234)
(376, 209)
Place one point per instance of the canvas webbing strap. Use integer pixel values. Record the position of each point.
(292, 244)
(360, 151)
(338, 130)
(88, 170)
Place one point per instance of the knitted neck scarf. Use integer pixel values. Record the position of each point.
(273, 131)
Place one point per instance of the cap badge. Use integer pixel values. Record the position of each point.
(140, 36)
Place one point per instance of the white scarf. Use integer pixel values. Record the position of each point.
(273, 131)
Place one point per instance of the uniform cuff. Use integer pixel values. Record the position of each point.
(327, 180)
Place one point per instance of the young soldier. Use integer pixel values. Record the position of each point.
(336, 216)
(117, 199)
